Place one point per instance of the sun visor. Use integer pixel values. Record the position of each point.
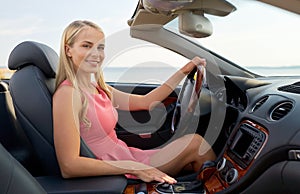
(169, 7)
(190, 13)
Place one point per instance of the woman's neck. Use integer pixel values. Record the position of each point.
(84, 82)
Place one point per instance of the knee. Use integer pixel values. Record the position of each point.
(193, 137)
(195, 144)
(200, 145)
(198, 138)
(195, 141)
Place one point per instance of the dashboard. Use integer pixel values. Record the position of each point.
(266, 133)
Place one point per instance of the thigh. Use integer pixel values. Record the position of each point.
(175, 156)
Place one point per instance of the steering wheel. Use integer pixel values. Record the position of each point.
(188, 100)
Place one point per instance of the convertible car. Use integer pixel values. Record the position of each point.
(249, 114)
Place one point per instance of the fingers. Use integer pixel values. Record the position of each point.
(199, 61)
(196, 61)
(165, 178)
(161, 177)
(155, 175)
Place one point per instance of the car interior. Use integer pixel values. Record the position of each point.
(250, 121)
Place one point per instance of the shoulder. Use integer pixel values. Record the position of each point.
(66, 83)
(66, 93)
(64, 89)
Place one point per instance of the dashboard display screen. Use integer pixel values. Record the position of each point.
(242, 143)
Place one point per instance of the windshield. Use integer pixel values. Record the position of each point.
(258, 37)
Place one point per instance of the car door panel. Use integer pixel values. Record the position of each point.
(145, 129)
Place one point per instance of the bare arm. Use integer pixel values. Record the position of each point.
(133, 102)
(66, 107)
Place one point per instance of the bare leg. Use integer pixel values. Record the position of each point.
(188, 150)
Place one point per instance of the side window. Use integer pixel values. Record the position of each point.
(145, 63)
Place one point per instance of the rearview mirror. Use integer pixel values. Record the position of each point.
(194, 24)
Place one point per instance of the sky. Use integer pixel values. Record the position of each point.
(45, 20)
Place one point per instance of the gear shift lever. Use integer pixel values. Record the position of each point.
(207, 170)
(196, 186)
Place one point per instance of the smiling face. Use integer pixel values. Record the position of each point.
(87, 51)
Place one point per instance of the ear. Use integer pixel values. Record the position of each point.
(67, 50)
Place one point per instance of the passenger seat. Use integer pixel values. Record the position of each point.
(15, 179)
(12, 136)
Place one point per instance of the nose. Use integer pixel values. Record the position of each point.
(96, 53)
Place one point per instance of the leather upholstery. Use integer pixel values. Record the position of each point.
(33, 53)
(31, 88)
(12, 136)
(14, 177)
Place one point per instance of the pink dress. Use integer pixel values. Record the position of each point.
(101, 137)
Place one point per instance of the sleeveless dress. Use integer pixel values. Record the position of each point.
(101, 137)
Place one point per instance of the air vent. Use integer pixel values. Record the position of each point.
(259, 103)
(293, 88)
(281, 110)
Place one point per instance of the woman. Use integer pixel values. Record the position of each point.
(85, 109)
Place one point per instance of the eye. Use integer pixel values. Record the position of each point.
(100, 47)
(86, 46)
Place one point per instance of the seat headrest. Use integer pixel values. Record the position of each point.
(34, 53)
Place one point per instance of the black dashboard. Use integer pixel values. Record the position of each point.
(264, 133)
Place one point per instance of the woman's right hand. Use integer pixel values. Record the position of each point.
(149, 174)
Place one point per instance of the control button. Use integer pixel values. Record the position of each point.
(294, 155)
(246, 157)
(221, 164)
(231, 176)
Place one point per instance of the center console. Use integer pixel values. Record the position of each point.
(241, 150)
(193, 187)
(239, 155)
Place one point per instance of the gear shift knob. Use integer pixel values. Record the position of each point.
(207, 169)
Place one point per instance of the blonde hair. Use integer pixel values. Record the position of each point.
(66, 70)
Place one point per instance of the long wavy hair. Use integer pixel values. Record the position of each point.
(66, 69)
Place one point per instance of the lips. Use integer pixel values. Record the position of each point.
(93, 62)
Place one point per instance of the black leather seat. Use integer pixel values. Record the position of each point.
(12, 136)
(15, 179)
(31, 88)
